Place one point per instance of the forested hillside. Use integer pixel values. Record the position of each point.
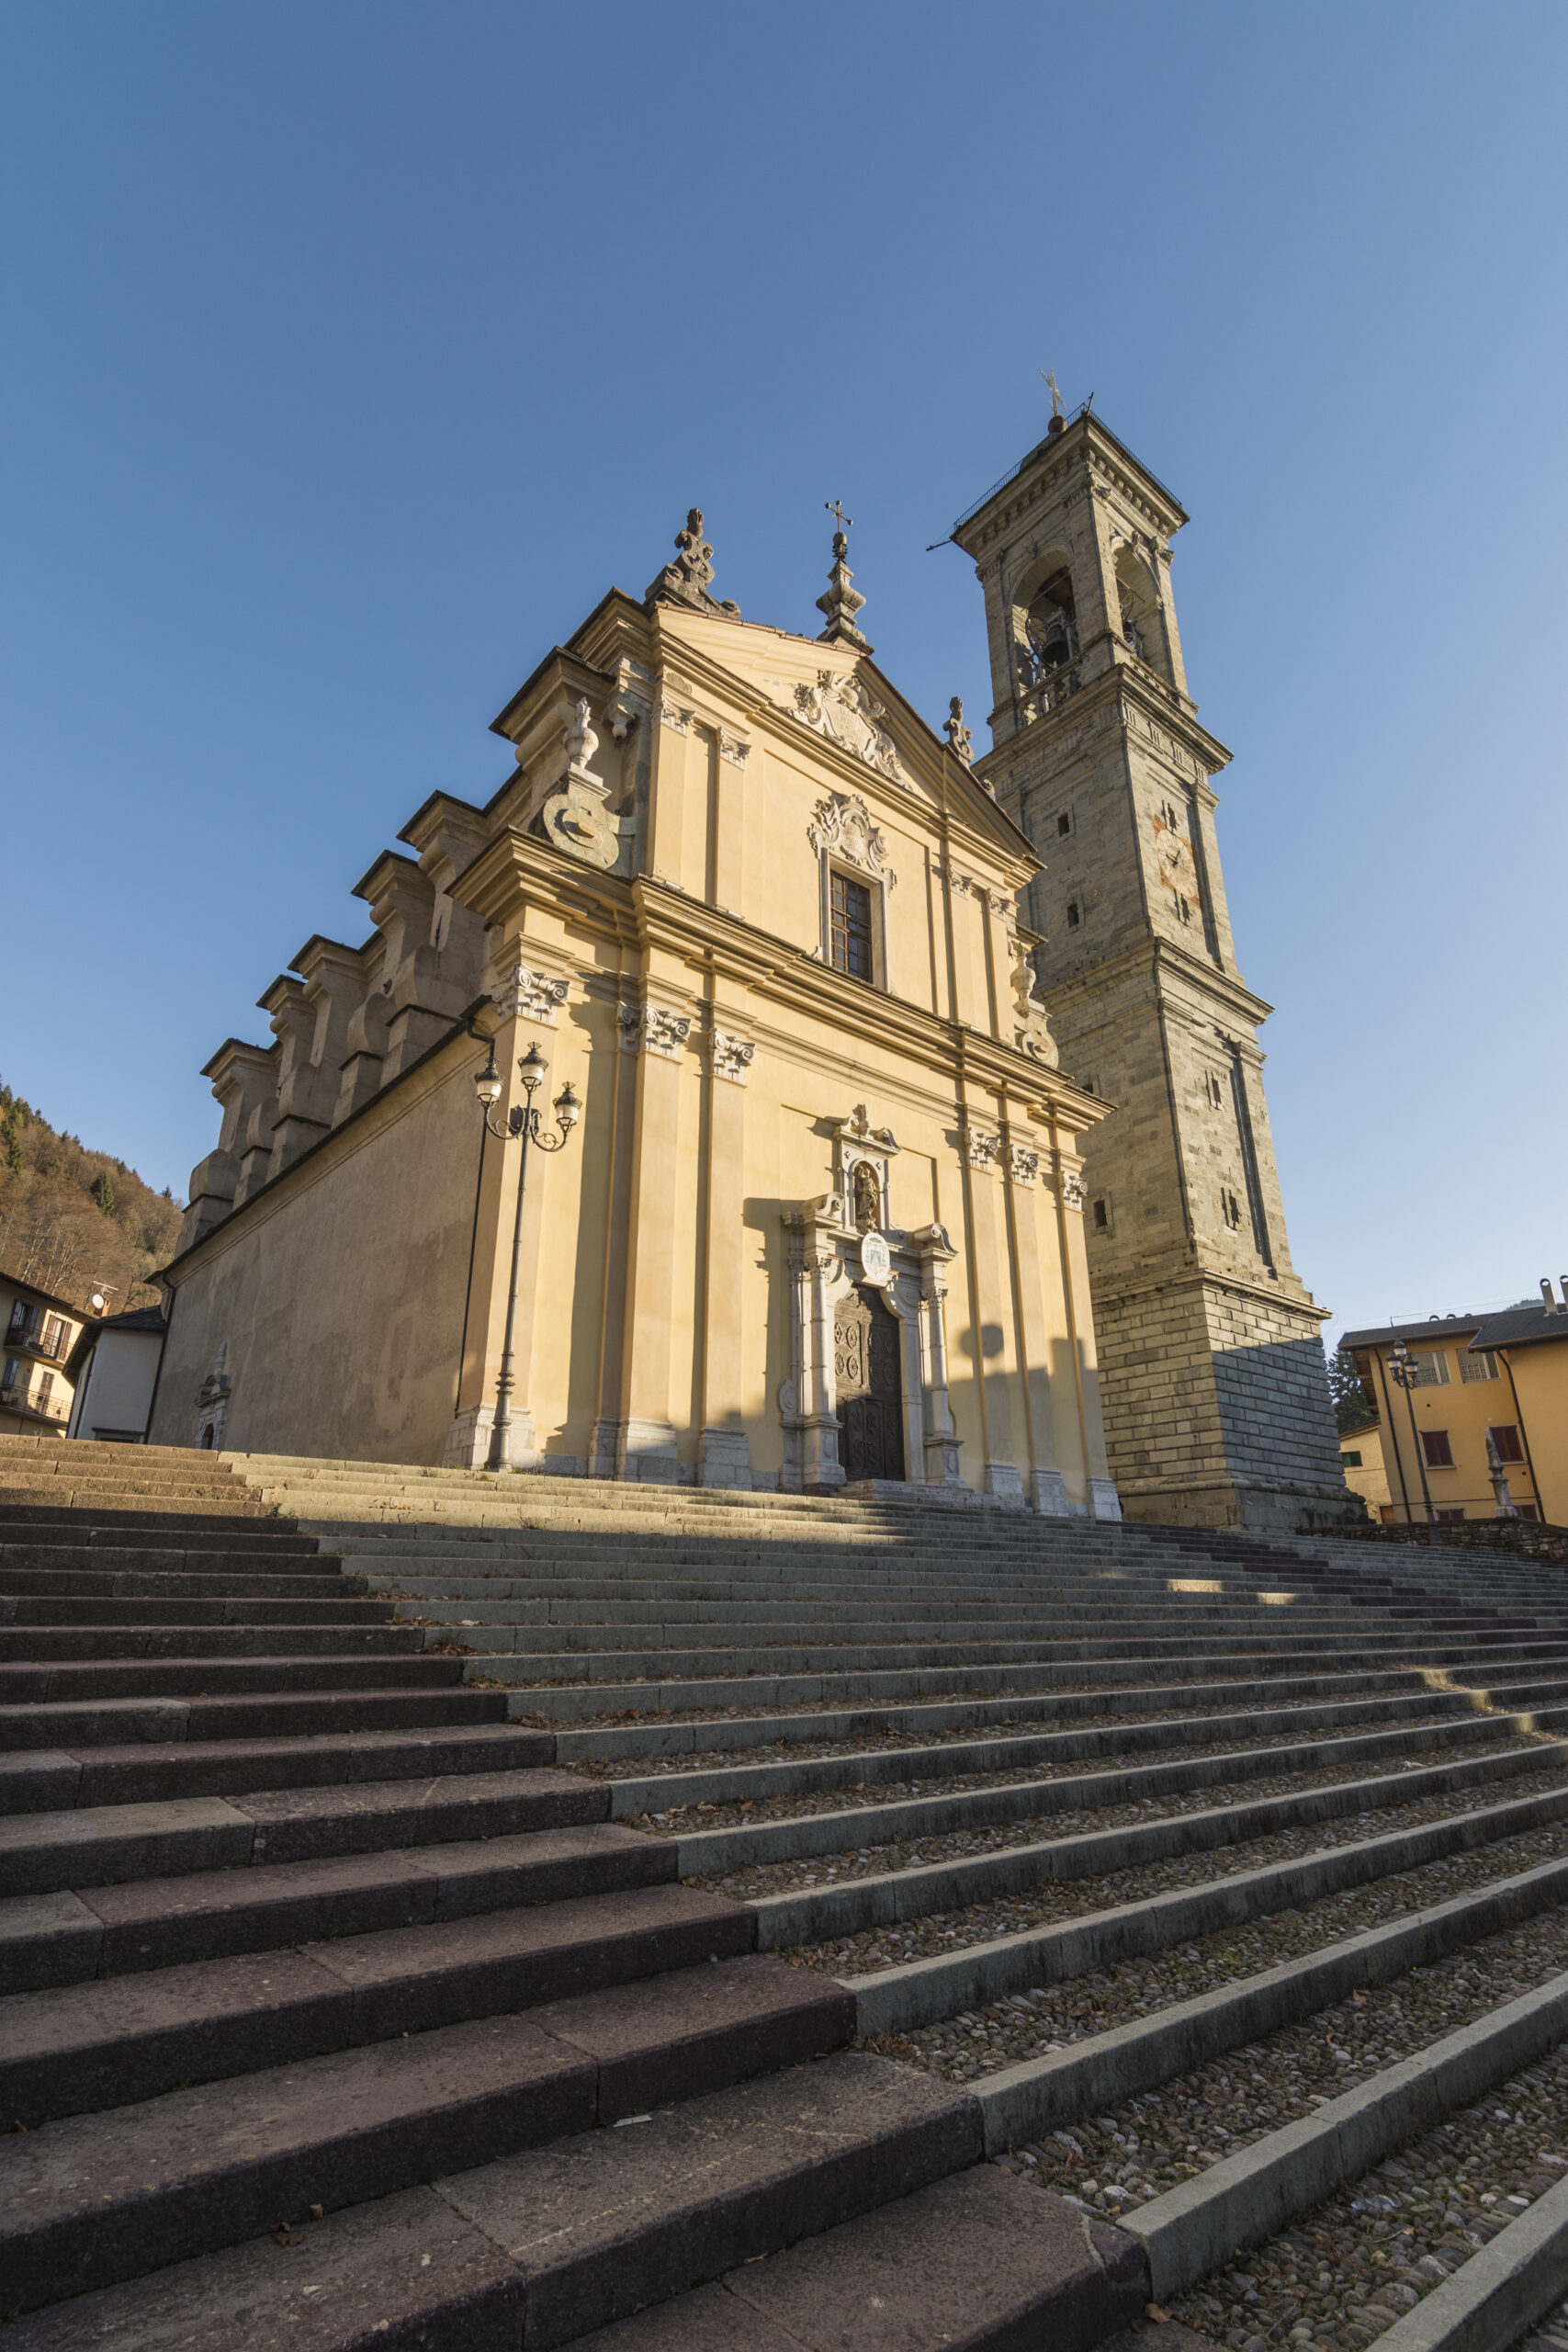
(71, 1218)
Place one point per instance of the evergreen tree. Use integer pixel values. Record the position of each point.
(1352, 1405)
(103, 1192)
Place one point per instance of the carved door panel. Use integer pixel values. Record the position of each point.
(867, 1372)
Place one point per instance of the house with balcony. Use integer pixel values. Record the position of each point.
(40, 1332)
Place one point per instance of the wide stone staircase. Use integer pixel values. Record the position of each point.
(442, 1910)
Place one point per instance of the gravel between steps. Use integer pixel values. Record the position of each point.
(967, 2048)
(751, 1879)
(1348, 2269)
(680, 1819)
(614, 1719)
(1048, 1905)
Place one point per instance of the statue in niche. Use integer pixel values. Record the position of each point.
(865, 1196)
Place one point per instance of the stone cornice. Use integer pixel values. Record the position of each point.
(1127, 682)
(1191, 969)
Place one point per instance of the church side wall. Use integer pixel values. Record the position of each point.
(340, 1296)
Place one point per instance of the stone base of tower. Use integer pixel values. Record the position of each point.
(1217, 1411)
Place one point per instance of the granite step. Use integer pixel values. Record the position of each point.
(145, 1771)
(305, 1579)
(41, 1853)
(120, 2040)
(94, 2199)
(70, 1938)
(243, 1609)
(288, 1713)
(37, 1644)
(61, 1680)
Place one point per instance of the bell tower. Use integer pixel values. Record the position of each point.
(1211, 1365)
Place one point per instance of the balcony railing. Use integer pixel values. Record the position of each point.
(36, 1343)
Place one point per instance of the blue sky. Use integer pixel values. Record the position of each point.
(356, 349)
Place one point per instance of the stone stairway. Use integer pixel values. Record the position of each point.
(438, 1910)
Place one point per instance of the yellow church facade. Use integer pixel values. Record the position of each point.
(820, 1220)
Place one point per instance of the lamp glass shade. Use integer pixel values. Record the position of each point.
(531, 1068)
(487, 1086)
(569, 1110)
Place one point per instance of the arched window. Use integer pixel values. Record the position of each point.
(1138, 614)
(1051, 626)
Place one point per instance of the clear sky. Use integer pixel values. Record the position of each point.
(356, 347)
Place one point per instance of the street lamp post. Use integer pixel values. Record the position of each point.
(525, 1124)
(1403, 1367)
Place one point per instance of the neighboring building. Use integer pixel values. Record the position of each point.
(1501, 1376)
(1361, 1451)
(114, 1370)
(822, 1217)
(40, 1333)
(1212, 1368)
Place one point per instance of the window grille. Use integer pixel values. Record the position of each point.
(1431, 1367)
(1477, 1364)
(851, 928)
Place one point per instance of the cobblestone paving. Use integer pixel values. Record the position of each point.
(793, 1804)
(750, 1879)
(1350, 2268)
(1336, 2049)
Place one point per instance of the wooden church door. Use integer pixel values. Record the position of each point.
(866, 1351)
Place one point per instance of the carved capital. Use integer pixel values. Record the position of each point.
(527, 995)
(732, 1056)
(671, 715)
(1023, 1164)
(733, 748)
(648, 1028)
(980, 1148)
(1072, 1189)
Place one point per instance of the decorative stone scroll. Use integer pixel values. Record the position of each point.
(527, 995)
(980, 1147)
(1023, 1164)
(847, 712)
(1031, 1031)
(574, 817)
(649, 1028)
(733, 748)
(686, 581)
(732, 1057)
(1072, 1189)
(842, 826)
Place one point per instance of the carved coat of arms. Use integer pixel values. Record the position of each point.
(848, 713)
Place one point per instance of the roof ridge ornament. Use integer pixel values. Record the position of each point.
(685, 582)
(959, 739)
(842, 603)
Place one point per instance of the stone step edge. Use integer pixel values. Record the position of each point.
(605, 1742)
(1021, 2102)
(1245, 2199)
(919, 1992)
(728, 1784)
(801, 1835)
(822, 1913)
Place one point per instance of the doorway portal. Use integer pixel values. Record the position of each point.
(867, 1347)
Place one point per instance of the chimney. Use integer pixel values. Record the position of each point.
(1548, 1294)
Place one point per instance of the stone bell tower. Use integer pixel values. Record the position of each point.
(1212, 1370)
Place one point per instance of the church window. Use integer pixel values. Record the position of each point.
(1075, 914)
(851, 928)
(1183, 908)
(1064, 823)
(1477, 1363)
(1435, 1446)
(1101, 1216)
(1230, 1209)
(1213, 1089)
(1507, 1440)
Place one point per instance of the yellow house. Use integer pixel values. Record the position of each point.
(40, 1333)
(1360, 1450)
(822, 1216)
(1502, 1377)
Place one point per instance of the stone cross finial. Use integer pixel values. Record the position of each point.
(842, 603)
(1050, 382)
(957, 734)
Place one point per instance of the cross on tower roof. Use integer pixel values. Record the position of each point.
(835, 508)
(1050, 381)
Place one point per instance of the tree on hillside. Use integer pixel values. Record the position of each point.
(1352, 1404)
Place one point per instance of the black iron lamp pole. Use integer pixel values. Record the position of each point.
(525, 1124)
(1404, 1368)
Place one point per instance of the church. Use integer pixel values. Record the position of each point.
(762, 1090)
